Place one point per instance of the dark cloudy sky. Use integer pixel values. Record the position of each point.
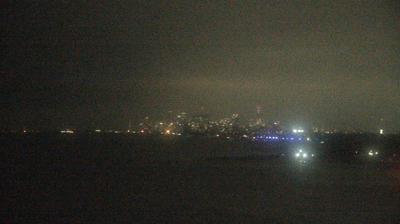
(99, 63)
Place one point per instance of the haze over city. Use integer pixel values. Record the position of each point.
(99, 64)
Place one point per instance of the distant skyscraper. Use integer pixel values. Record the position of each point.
(129, 126)
(259, 119)
(258, 109)
(380, 126)
(199, 123)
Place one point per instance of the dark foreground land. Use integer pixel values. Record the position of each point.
(109, 179)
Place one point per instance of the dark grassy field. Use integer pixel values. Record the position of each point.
(111, 179)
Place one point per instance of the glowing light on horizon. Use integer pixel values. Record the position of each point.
(67, 131)
(298, 131)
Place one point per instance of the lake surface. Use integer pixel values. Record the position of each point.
(131, 180)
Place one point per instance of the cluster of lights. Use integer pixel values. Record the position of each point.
(267, 138)
(67, 131)
(298, 131)
(170, 132)
(373, 153)
(303, 155)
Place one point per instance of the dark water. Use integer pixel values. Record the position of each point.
(131, 180)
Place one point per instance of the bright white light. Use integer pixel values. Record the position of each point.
(305, 155)
(300, 150)
(297, 154)
(370, 153)
(312, 155)
(298, 131)
(381, 131)
(376, 153)
(308, 139)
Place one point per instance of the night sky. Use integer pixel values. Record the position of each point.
(97, 64)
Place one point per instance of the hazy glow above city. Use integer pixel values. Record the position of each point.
(95, 65)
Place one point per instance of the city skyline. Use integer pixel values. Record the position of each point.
(257, 121)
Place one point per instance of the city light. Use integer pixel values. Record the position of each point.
(280, 138)
(303, 155)
(67, 131)
(298, 131)
(372, 153)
